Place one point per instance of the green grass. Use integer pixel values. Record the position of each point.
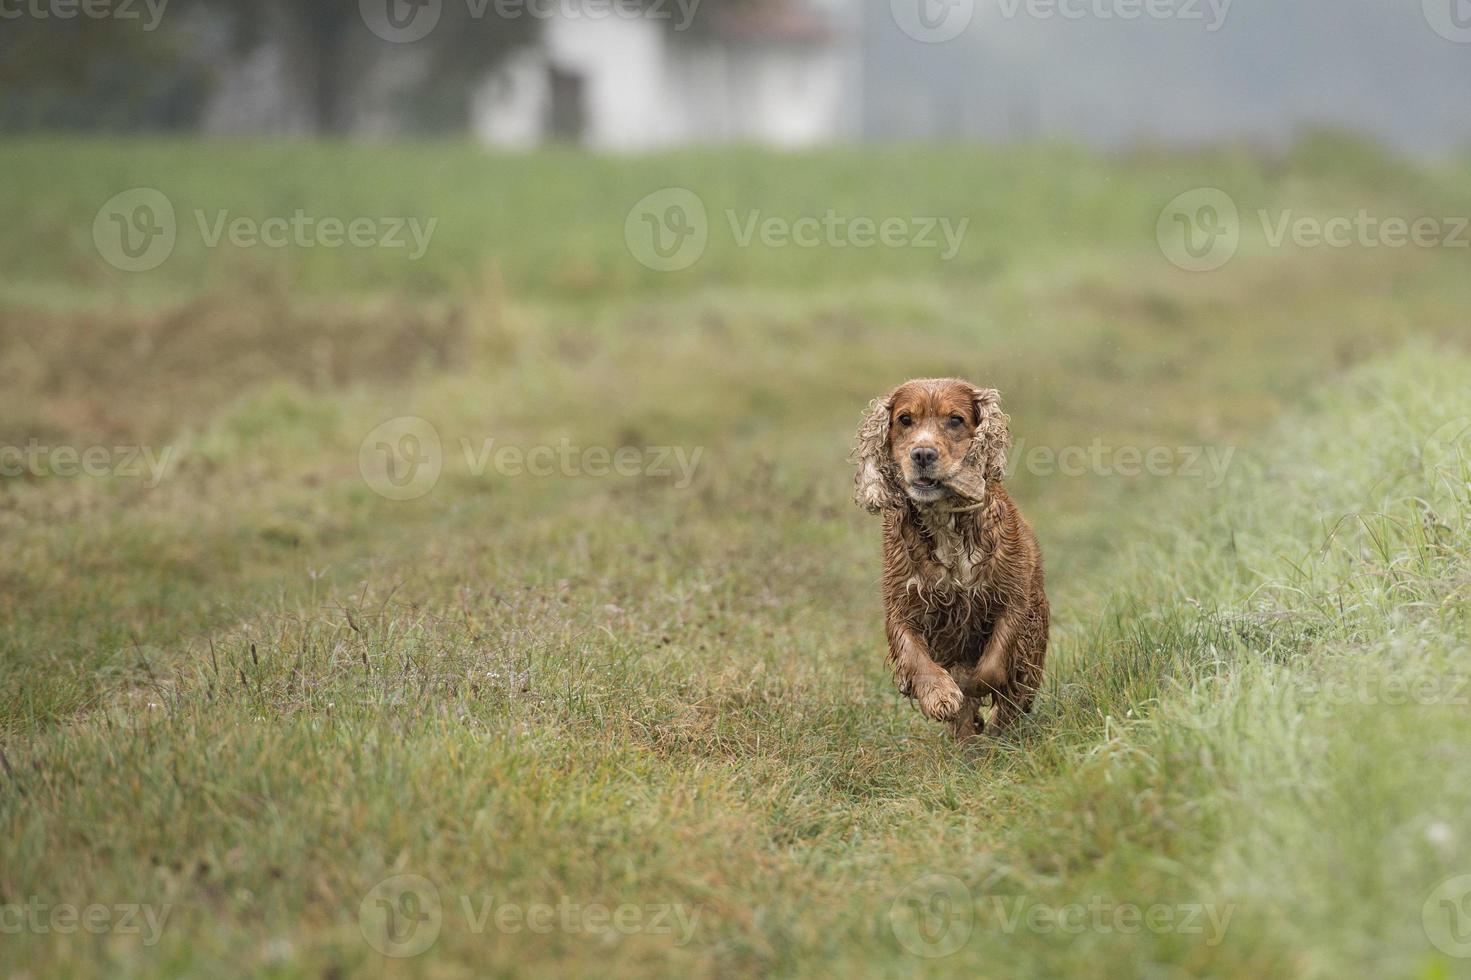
(256, 691)
(551, 225)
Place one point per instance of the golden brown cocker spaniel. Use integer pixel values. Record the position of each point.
(964, 602)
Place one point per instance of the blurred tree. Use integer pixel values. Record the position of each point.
(89, 73)
(111, 74)
(333, 53)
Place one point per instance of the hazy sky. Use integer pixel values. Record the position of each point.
(1178, 71)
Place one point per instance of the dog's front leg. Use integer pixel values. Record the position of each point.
(919, 677)
(993, 672)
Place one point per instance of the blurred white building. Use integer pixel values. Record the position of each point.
(776, 74)
(792, 73)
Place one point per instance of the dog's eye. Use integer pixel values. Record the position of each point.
(956, 421)
(905, 420)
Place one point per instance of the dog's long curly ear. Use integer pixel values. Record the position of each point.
(876, 486)
(985, 461)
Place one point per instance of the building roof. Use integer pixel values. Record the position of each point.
(772, 20)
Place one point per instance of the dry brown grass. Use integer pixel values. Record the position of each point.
(104, 374)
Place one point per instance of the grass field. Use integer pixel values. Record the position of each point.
(270, 720)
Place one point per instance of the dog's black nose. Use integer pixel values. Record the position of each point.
(924, 456)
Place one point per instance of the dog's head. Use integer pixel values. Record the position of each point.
(931, 440)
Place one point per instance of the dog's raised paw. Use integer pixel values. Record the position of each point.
(939, 699)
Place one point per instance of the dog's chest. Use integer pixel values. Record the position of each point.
(948, 575)
(948, 559)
